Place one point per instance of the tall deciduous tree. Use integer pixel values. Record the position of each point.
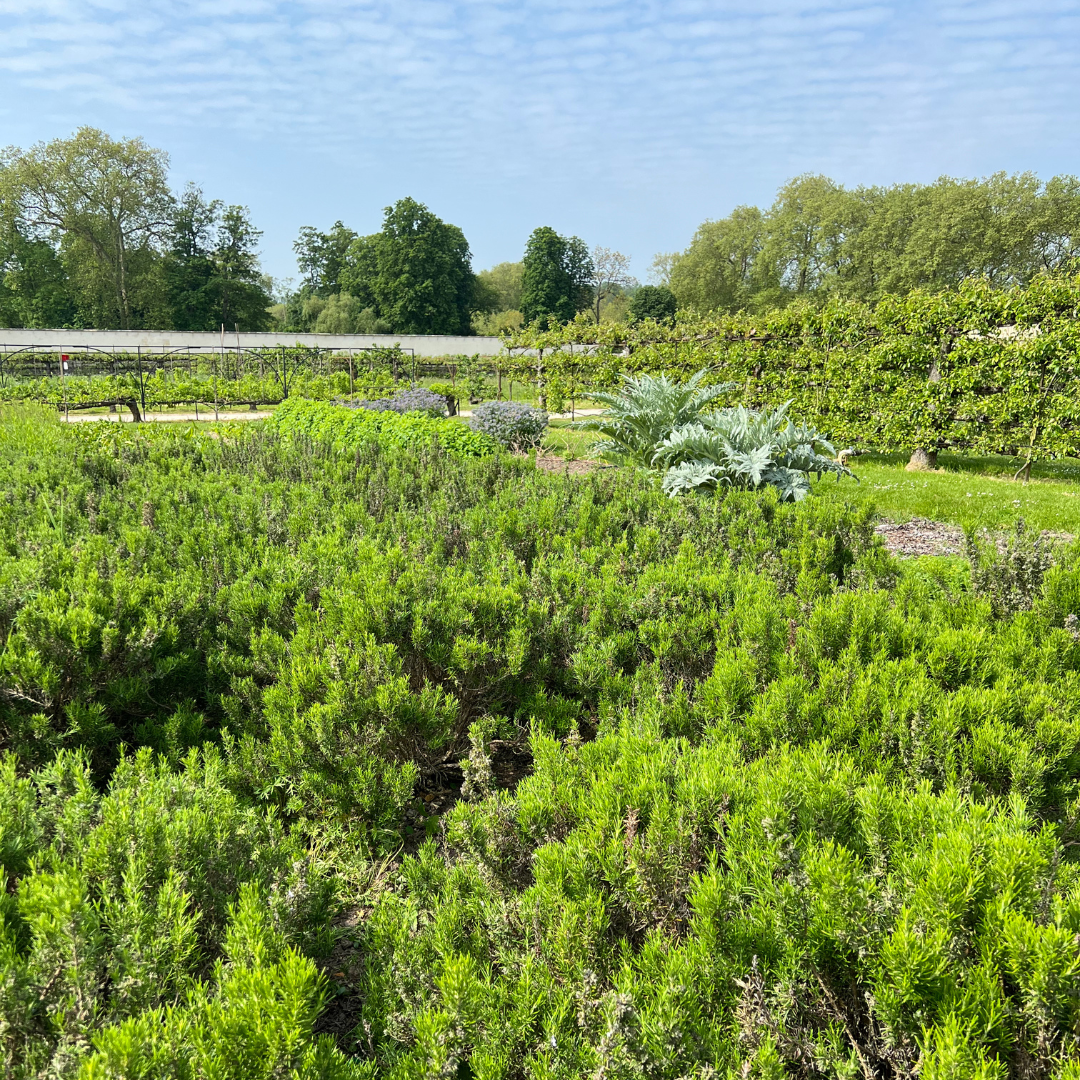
(611, 272)
(500, 287)
(557, 276)
(806, 232)
(211, 268)
(323, 256)
(415, 274)
(722, 268)
(35, 290)
(189, 264)
(107, 203)
(242, 298)
(653, 302)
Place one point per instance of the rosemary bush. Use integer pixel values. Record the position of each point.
(325, 756)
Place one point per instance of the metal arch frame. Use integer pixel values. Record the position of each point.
(160, 358)
(6, 354)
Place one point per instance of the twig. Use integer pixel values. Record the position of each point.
(867, 1070)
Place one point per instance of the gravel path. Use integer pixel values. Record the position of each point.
(208, 414)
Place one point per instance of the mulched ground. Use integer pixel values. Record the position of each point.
(920, 536)
(573, 468)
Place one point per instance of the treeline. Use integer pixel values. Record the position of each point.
(92, 236)
(415, 277)
(820, 239)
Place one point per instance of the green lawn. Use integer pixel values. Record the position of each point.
(973, 492)
(565, 439)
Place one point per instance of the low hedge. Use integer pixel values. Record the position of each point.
(350, 429)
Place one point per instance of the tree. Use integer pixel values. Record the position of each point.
(653, 302)
(35, 290)
(582, 273)
(343, 314)
(323, 256)
(241, 297)
(611, 273)
(500, 288)
(1057, 223)
(661, 267)
(106, 203)
(486, 298)
(804, 243)
(415, 274)
(819, 239)
(723, 269)
(557, 276)
(212, 273)
(189, 264)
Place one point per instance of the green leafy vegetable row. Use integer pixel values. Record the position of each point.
(346, 428)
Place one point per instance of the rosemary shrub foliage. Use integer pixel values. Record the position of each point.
(347, 429)
(1012, 576)
(784, 807)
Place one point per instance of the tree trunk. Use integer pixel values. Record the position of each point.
(133, 405)
(125, 309)
(922, 460)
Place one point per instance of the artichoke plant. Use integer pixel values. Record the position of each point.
(658, 424)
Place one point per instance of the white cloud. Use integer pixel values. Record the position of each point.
(574, 96)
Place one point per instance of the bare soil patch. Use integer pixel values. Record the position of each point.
(920, 536)
(578, 467)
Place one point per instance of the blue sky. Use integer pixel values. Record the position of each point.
(626, 124)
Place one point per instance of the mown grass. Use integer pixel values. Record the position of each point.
(567, 440)
(972, 492)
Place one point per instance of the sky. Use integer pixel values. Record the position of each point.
(627, 124)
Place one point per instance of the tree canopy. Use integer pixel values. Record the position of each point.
(323, 256)
(106, 204)
(557, 276)
(653, 302)
(414, 276)
(499, 289)
(211, 268)
(820, 239)
(91, 235)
